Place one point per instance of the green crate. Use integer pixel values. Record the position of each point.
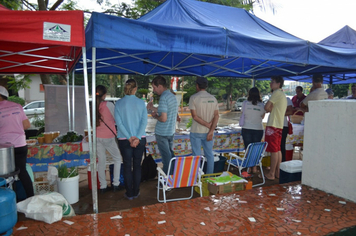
(205, 184)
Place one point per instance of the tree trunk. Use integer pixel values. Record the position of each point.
(45, 79)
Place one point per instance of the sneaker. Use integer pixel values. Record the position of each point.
(137, 195)
(129, 198)
(117, 188)
(104, 190)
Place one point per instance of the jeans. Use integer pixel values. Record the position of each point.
(165, 146)
(199, 139)
(251, 136)
(132, 165)
(283, 142)
(20, 163)
(103, 145)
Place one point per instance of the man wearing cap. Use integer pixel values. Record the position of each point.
(166, 115)
(317, 94)
(205, 113)
(13, 122)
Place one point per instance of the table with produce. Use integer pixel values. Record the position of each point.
(51, 150)
(226, 139)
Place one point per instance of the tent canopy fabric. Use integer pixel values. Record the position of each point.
(40, 41)
(343, 38)
(187, 37)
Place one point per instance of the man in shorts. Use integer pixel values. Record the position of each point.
(277, 106)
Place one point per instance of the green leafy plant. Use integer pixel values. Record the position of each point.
(17, 100)
(38, 121)
(69, 137)
(190, 122)
(65, 172)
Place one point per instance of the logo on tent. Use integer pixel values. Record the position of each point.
(56, 32)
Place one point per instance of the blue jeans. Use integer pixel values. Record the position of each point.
(165, 146)
(197, 140)
(251, 136)
(132, 158)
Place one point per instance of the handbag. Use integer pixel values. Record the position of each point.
(290, 127)
(242, 118)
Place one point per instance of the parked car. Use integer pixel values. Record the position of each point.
(36, 107)
(238, 103)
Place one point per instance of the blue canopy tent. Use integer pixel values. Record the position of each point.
(342, 44)
(187, 37)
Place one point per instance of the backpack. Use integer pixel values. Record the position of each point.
(148, 170)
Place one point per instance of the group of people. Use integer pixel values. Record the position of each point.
(280, 107)
(130, 117)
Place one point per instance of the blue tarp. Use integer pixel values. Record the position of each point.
(187, 37)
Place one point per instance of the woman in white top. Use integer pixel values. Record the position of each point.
(253, 112)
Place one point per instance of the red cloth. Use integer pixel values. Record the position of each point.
(273, 137)
(296, 101)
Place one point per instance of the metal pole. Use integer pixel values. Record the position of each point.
(68, 104)
(93, 158)
(73, 101)
(91, 153)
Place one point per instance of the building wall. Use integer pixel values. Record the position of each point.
(33, 93)
(329, 159)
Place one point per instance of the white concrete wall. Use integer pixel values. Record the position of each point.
(34, 93)
(329, 160)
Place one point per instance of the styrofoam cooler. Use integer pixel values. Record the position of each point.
(290, 171)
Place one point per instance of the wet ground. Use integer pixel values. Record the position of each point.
(288, 209)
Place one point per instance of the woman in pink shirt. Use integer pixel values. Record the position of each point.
(105, 138)
(13, 122)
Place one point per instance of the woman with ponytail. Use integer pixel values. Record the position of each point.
(131, 121)
(105, 140)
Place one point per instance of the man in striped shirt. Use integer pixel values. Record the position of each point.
(166, 115)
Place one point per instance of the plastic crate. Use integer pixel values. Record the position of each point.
(205, 184)
(41, 184)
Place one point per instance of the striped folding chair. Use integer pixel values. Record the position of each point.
(187, 172)
(253, 157)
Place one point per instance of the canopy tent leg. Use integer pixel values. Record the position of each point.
(93, 108)
(73, 101)
(91, 149)
(68, 105)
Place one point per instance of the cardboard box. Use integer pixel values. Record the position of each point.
(225, 188)
(205, 184)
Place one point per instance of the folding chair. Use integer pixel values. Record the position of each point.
(253, 157)
(187, 172)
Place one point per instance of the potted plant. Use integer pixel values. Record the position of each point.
(68, 183)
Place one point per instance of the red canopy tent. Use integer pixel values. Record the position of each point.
(48, 42)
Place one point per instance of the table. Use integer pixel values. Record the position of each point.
(227, 140)
(71, 154)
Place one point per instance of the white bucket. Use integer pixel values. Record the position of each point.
(69, 188)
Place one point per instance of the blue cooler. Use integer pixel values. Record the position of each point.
(290, 171)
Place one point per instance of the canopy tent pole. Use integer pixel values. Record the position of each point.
(93, 157)
(253, 82)
(73, 101)
(86, 89)
(331, 81)
(68, 104)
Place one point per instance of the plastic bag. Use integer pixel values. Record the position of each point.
(49, 207)
(52, 174)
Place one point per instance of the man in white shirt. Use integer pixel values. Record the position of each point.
(317, 94)
(205, 113)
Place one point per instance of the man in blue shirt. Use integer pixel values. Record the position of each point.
(166, 115)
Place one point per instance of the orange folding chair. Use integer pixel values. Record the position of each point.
(187, 172)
